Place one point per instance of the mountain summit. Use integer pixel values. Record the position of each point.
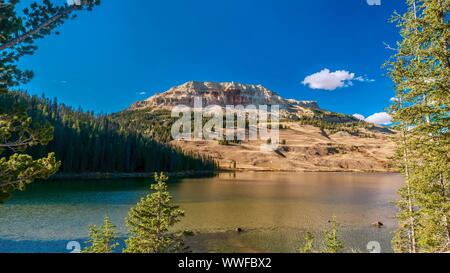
(222, 94)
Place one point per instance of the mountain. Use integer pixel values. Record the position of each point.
(312, 139)
(222, 94)
(231, 93)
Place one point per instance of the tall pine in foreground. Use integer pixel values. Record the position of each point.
(150, 221)
(102, 239)
(420, 70)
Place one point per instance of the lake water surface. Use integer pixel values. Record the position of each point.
(274, 209)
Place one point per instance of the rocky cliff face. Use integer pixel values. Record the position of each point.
(222, 94)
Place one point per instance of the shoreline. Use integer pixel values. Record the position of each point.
(304, 171)
(100, 176)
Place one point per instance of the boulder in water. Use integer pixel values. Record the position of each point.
(378, 224)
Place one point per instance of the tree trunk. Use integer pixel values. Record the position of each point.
(412, 227)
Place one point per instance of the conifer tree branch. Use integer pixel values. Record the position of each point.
(38, 29)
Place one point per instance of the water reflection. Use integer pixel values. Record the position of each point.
(274, 208)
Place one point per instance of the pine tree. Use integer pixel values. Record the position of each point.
(18, 34)
(331, 240)
(103, 239)
(421, 72)
(150, 222)
(405, 238)
(332, 243)
(308, 247)
(20, 31)
(17, 133)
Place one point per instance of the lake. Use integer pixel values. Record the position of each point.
(274, 209)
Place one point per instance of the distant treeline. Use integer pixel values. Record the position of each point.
(156, 123)
(86, 142)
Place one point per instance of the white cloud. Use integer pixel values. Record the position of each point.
(327, 80)
(364, 79)
(382, 118)
(142, 93)
(360, 117)
(394, 99)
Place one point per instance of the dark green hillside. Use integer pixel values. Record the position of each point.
(153, 123)
(86, 142)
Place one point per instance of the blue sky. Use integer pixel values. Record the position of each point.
(104, 59)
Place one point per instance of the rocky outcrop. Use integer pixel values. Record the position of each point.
(222, 94)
